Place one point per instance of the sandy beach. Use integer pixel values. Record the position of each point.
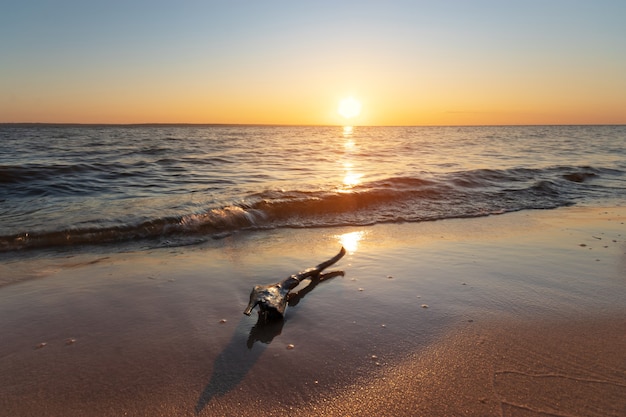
(521, 314)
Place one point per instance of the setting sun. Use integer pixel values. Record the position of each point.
(349, 107)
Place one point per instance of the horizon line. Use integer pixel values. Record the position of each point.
(28, 124)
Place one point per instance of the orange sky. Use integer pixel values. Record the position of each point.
(408, 63)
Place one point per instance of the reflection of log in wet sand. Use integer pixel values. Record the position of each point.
(525, 317)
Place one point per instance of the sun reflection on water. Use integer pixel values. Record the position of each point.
(351, 178)
(350, 241)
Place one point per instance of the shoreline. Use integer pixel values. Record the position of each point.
(516, 314)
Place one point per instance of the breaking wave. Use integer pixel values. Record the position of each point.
(460, 194)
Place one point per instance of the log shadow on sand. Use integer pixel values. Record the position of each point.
(234, 362)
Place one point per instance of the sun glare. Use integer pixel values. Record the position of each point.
(350, 241)
(352, 179)
(349, 107)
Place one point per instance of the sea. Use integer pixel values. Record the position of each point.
(126, 187)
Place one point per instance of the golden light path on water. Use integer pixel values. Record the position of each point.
(351, 178)
(350, 241)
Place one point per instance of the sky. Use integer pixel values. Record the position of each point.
(465, 62)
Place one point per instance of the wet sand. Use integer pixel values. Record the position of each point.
(521, 314)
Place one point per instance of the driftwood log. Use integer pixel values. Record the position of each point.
(272, 299)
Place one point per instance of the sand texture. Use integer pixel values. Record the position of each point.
(522, 314)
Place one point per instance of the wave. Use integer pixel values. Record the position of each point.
(461, 194)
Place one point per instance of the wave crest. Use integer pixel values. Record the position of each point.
(396, 199)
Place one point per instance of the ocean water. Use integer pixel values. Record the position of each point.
(167, 185)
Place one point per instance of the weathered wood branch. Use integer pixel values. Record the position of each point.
(272, 299)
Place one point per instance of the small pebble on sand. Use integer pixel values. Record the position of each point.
(70, 341)
(223, 321)
(290, 346)
(424, 305)
(42, 344)
(360, 289)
